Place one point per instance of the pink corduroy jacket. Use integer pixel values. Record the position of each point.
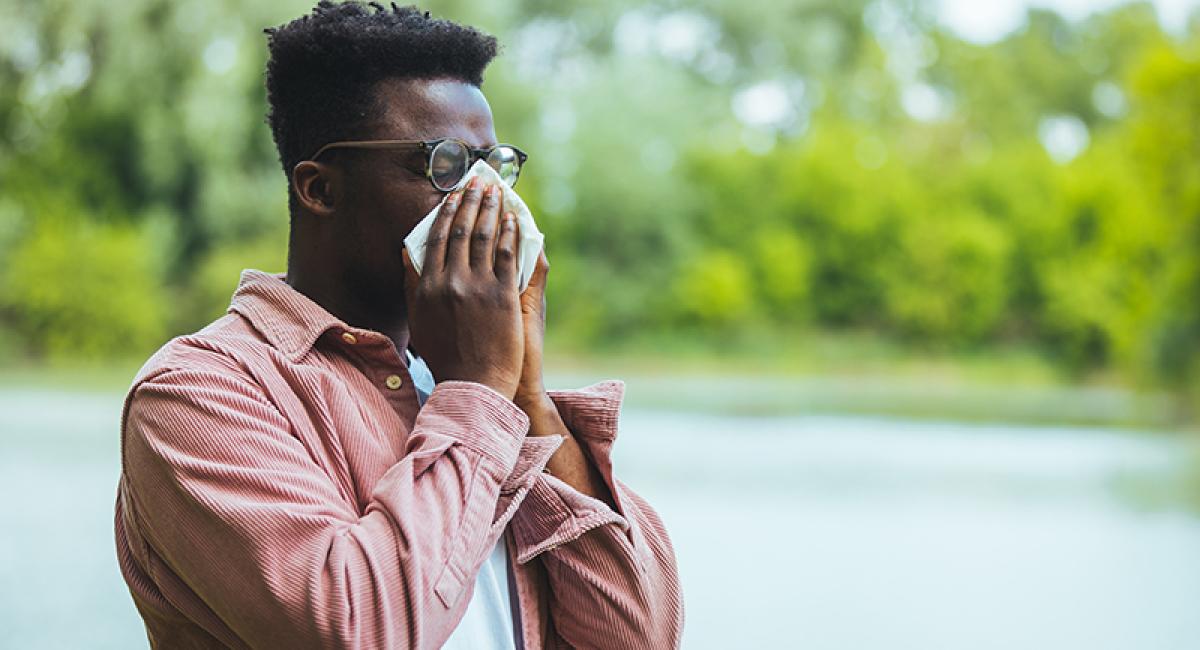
(281, 488)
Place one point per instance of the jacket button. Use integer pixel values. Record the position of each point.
(393, 382)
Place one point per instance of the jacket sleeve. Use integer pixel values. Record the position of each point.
(234, 504)
(612, 573)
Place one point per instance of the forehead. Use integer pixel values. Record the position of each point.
(425, 109)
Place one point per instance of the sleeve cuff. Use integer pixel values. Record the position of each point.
(531, 460)
(554, 513)
(476, 416)
(591, 414)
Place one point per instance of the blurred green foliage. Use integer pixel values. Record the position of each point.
(66, 277)
(725, 169)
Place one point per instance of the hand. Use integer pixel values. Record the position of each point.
(531, 391)
(464, 311)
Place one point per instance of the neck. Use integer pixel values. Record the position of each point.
(347, 301)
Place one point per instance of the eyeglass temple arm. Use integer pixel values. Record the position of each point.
(368, 144)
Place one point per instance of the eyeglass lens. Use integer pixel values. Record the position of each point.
(448, 164)
(504, 161)
(451, 159)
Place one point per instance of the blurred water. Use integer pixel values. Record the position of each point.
(857, 533)
(806, 532)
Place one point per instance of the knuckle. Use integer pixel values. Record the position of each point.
(458, 232)
(456, 290)
(483, 235)
(505, 252)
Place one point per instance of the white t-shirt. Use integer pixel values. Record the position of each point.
(488, 621)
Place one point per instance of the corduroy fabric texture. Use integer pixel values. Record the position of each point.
(281, 488)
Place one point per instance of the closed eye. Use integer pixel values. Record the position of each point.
(409, 163)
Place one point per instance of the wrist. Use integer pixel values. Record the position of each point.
(544, 418)
(534, 401)
(499, 384)
(532, 395)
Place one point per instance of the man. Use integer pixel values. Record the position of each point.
(356, 455)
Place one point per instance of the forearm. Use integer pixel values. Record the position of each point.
(614, 578)
(569, 463)
(611, 567)
(618, 590)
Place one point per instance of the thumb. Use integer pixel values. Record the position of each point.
(541, 269)
(533, 299)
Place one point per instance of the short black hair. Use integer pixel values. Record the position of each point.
(324, 67)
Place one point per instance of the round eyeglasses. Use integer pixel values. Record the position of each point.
(448, 159)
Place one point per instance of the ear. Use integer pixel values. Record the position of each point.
(318, 187)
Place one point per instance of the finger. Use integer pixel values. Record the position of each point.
(435, 241)
(506, 251)
(540, 270)
(533, 298)
(483, 241)
(459, 236)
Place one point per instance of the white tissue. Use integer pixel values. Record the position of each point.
(531, 240)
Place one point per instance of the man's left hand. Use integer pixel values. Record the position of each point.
(531, 391)
(569, 463)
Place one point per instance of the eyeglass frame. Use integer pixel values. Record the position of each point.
(427, 147)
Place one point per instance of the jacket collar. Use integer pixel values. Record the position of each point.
(288, 319)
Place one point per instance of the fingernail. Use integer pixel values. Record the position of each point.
(473, 183)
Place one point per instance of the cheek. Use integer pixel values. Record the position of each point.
(422, 206)
(392, 199)
(406, 206)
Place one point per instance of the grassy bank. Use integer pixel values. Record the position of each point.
(863, 374)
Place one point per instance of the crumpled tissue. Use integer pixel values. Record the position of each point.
(531, 239)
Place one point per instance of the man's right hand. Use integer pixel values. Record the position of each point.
(464, 313)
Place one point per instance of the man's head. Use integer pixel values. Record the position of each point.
(365, 72)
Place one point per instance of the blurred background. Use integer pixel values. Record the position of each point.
(933, 267)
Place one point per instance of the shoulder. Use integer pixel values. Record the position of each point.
(208, 379)
(226, 346)
(216, 366)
